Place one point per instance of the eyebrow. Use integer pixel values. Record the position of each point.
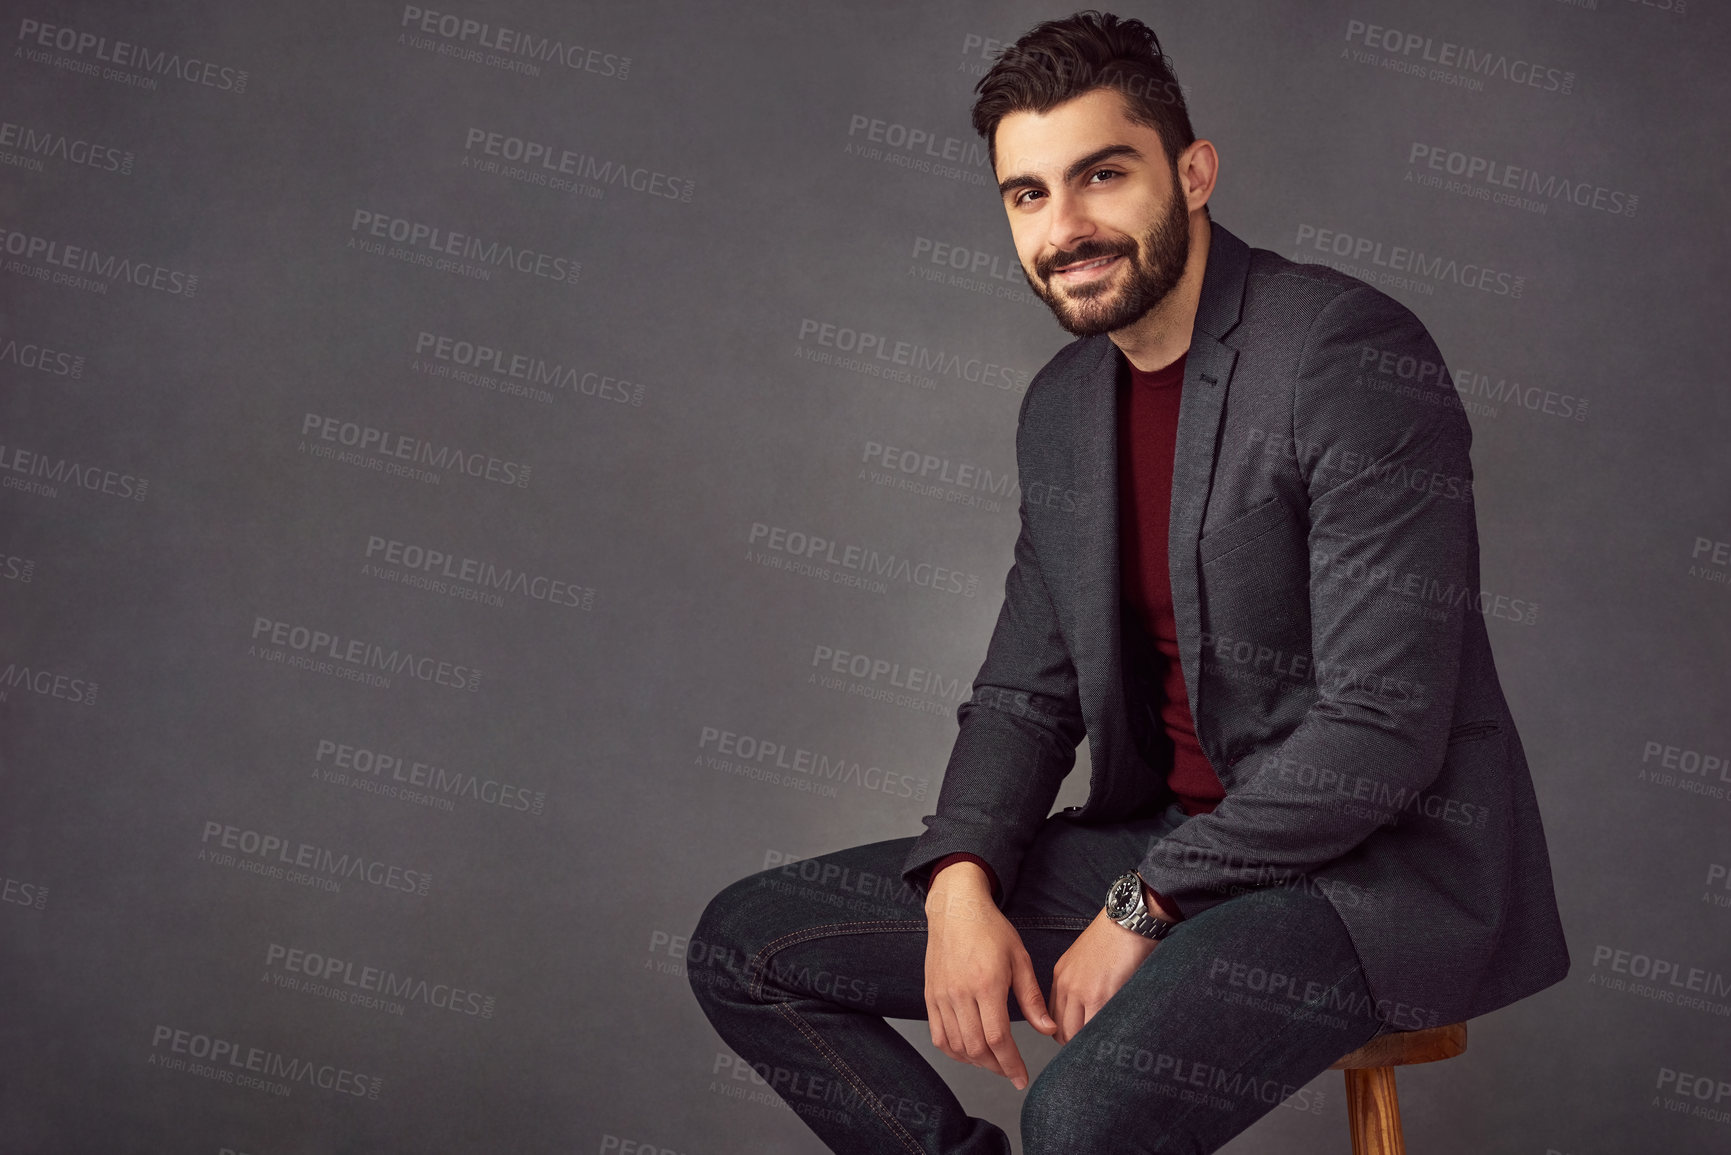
(1076, 169)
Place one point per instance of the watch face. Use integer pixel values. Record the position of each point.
(1121, 900)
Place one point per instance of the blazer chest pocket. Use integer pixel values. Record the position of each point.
(1241, 530)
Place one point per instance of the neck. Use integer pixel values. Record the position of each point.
(1162, 334)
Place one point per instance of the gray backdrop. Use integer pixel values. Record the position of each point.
(433, 440)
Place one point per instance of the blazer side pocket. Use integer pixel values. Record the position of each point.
(1241, 530)
(1468, 731)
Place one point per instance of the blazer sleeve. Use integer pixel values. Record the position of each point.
(1393, 574)
(1017, 733)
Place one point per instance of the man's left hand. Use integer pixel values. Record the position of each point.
(1101, 960)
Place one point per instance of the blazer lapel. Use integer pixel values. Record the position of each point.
(1095, 577)
(1207, 376)
(1207, 370)
(1207, 373)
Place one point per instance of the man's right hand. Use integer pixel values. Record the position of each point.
(974, 960)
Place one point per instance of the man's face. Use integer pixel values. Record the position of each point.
(1100, 224)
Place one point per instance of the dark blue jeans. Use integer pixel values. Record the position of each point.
(1240, 1006)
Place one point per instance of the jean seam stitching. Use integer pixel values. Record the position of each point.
(760, 961)
(760, 964)
(835, 1060)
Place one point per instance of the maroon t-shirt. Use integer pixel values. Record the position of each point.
(1147, 443)
(1147, 440)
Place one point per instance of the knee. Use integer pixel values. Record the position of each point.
(715, 954)
(1062, 1115)
(1051, 1121)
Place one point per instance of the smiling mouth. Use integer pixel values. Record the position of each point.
(1084, 270)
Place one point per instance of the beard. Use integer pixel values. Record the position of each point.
(1154, 265)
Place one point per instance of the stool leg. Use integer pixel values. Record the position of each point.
(1373, 1111)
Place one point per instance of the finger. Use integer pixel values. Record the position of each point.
(954, 1047)
(974, 1036)
(1028, 996)
(1089, 1010)
(935, 1020)
(995, 1022)
(1073, 1016)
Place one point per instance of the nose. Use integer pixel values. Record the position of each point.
(1068, 222)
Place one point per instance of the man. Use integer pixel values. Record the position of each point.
(1247, 571)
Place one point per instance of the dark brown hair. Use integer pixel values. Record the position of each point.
(1061, 59)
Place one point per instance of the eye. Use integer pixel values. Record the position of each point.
(1018, 198)
(1104, 172)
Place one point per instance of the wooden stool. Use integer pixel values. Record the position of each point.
(1372, 1107)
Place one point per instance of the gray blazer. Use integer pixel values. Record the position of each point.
(1331, 628)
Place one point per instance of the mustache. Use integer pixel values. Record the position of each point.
(1087, 251)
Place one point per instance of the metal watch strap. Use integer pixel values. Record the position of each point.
(1148, 925)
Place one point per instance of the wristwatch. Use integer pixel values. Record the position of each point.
(1125, 906)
